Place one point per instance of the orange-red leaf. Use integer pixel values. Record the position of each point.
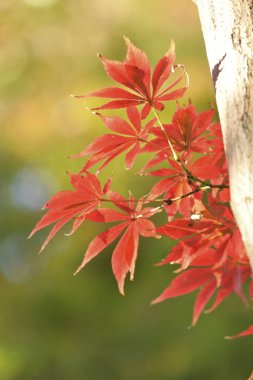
(163, 68)
(202, 299)
(135, 74)
(185, 282)
(72, 204)
(124, 257)
(100, 242)
(247, 332)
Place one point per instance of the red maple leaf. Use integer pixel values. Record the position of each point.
(208, 238)
(185, 282)
(72, 204)
(217, 159)
(142, 87)
(218, 151)
(230, 279)
(109, 146)
(213, 245)
(187, 128)
(174, 185)
(135, 222)
(185, 132)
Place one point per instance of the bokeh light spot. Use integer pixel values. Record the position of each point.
(40, 3)
(15, 264)
(30, 188)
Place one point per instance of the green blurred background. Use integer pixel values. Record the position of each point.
(52, 325)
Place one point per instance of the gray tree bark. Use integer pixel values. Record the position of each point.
(227, 27)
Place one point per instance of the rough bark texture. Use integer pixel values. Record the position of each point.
(228, 33)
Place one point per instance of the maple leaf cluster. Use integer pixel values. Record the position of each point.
(191, 187)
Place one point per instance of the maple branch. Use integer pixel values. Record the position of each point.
(222, 186)
(191, 177)
(196, 190)
(170, 201)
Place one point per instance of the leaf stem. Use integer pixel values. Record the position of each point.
(175, 156)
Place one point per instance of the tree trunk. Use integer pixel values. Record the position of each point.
(227, 27)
